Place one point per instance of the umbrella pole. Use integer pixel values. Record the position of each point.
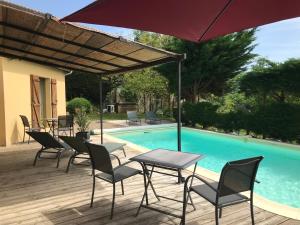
(101, 109)
(179, 107)
(179, 115)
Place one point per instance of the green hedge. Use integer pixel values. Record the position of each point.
(75, 103)
(276, 120)
(203, 113)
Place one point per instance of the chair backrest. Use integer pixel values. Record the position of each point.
(100, 158)
(78, 144)
(25, 121)
(65, 121)
(150, 115)
(131, 115)
(238, 176)
(45, 139)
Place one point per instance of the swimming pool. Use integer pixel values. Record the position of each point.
(279, 172)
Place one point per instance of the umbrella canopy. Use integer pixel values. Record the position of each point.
(193, 20)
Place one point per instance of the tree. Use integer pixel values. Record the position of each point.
(85, 85)
(269, 81)
(209, 64)
(146, 84)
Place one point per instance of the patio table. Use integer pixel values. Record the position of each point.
(165, 159)
(51, 123)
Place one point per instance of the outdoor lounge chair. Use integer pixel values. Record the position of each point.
(132, 117)
(27, 127)
(50, 145)
(236, 177)
(101, 162)
(81, 150)
(151, 117)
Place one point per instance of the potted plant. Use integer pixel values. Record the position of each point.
(83, 122)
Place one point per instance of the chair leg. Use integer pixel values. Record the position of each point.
(113, 201)
(122, 185)
(28, 139)
(123, 149)
(216, 215)
(58, 159)
(252, 211)
(220, 213)
(37, 156)
(93, 191)
(69, 163)
(24, 136)
(185, 200)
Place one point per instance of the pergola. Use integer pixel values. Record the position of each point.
(41, 38)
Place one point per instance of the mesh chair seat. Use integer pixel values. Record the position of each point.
(120, 173)
(210, 195)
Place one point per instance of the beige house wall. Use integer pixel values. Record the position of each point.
(17, 94)
(2, 111)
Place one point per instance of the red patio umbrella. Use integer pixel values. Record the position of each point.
(194, 20)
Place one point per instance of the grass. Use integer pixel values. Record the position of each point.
(108, 116)
(119, 116)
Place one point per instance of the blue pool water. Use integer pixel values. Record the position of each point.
(279, 172)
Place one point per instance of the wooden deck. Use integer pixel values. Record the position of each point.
(46, 195)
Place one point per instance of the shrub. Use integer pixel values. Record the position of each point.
(277, 120)
(203, 113)
(78, 103)
(233, 121)
(81, 119)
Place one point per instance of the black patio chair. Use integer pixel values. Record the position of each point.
(151, 117)
(80, 150)
(236, 177)
(101, 162)
(65, 124)
(132, 117)
(50, 145)
(27, 127)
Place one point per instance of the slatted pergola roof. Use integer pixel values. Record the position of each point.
(41, 38)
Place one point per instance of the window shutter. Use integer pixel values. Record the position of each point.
(54, 98)
(35, 100)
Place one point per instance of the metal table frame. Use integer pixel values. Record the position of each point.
(51, 123)
(148, 175)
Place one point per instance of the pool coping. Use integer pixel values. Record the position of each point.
(259, 201)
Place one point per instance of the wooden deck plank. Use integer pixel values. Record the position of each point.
(47, 195)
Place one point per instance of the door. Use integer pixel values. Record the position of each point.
(35, 100)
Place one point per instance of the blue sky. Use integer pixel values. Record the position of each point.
(278, 41)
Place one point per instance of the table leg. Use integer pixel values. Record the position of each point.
(151, 184)
(180, 177)
(146, 185)
(189, 194)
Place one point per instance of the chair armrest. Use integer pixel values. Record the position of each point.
(124, 164)
(116, 157)
(202, 180)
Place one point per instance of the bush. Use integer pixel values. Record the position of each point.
(203, 113)
(233, 121)
(277, 120)
(78, 103)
